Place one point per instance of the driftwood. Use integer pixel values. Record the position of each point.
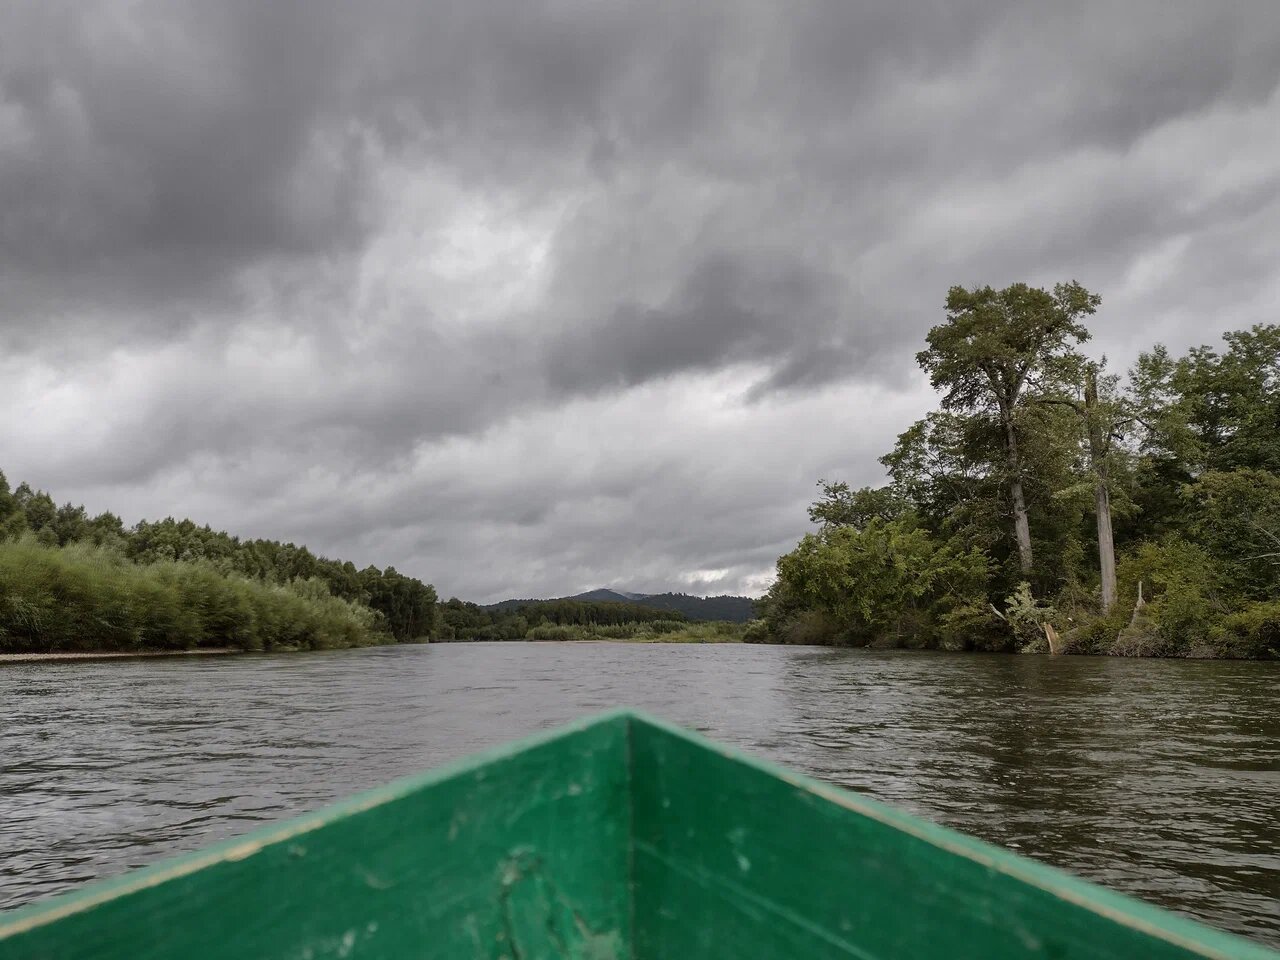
(1055, 642)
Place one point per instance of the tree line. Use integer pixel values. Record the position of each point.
(73, 581)
(1051, 501)
(554, 620)
(720, 608)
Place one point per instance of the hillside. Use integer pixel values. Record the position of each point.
(605, 595)
(732, 609)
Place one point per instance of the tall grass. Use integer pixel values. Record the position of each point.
(82, 597)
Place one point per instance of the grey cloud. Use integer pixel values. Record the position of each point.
(730, 308)
(166, 145)
(254, 255)
(182, 128)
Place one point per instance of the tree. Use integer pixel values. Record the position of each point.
(1235, 517)
(1177, 472)
(1214, 411)
(39, 509)
(408, 605)
(841, 506)
(1102, 415)
(1100, 429)
(994, 345)
(12, 519)
(888, 582)
(943, 466)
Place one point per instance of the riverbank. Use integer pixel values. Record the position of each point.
(60, 598)
(703, 635)
(111, 654)
(716, 631)
(660, 631)
(669, 639)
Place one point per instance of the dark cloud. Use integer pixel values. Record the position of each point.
(186, 129)
(527, 297)
(764, 308)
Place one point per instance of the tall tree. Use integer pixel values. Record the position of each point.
(842, 506)
(945, 467)
(993, 347)
(12, 518)
(1212, 410)
(1100, 435)
(1102, 415)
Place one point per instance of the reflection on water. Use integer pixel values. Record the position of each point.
(1161, 779)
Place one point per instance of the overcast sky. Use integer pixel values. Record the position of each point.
(531, 297)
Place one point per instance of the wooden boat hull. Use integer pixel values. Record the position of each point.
(617, 837)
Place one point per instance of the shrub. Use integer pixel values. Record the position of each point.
(888, 584)
(808, 627)
(1180, 584)
(1094, 634)
(83, 597)
(1026, 615)
(667, 626)
(1251, 632)
(973, 626)
(555, 631)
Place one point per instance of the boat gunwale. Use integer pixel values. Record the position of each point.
(1147, 918)
(96, 892)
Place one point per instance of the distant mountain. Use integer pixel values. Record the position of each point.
(606, 595)
(735, 609)
(508, 604)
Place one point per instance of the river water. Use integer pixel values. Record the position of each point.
(1157, 778)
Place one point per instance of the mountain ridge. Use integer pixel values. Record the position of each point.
(724, 607)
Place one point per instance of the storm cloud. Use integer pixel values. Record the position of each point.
(531, 297)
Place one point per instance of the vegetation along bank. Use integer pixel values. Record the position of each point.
(70, 582)
(1135, 515)
(73, 583)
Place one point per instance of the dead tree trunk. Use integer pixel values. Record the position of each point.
(1055, 642)
(1106, 546)
(1021, 526)
(1137, 607)
(1099, 442)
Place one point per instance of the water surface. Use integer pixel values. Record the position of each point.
(1160, 779)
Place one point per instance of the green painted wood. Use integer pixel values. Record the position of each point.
(618, 837)
(736, 858)
(519, 854)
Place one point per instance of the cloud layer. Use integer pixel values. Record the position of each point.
(530, 297)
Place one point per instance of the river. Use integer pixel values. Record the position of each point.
(1157, 778)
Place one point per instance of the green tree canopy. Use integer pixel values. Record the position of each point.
(994, 346)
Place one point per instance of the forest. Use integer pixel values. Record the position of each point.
(1133, 513)
(729, 608)
(573, 619)
(70, 582)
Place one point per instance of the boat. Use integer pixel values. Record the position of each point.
(618, 837)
